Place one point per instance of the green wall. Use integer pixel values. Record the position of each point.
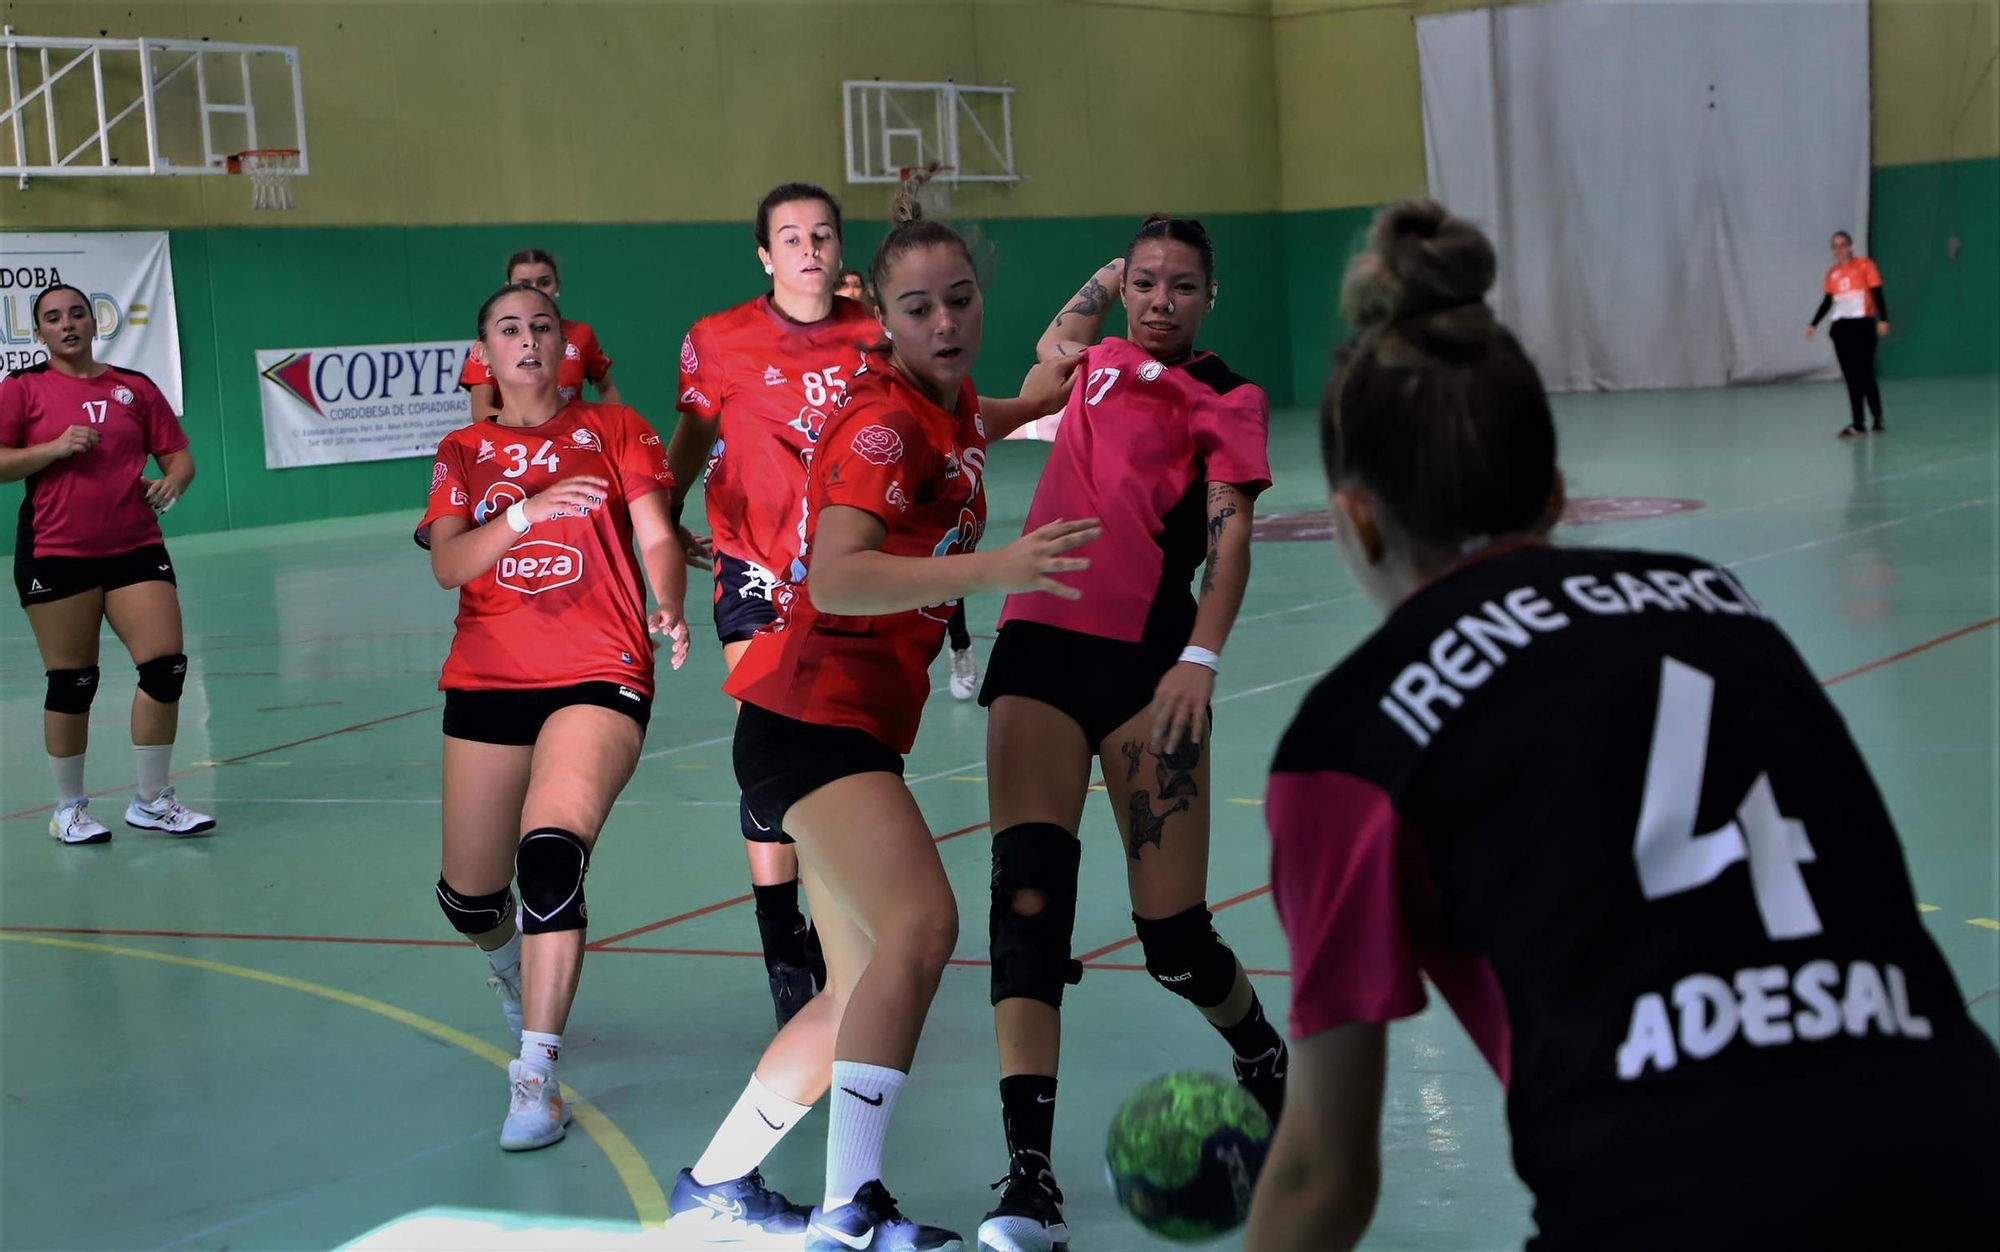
(1946, 312)
(640, 286)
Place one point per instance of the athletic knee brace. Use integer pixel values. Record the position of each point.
(549, 867)
(1187, 957)
(474, 915)
(1031, 950)
(163, 677)
(71, 690)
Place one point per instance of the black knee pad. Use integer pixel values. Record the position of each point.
(71, 690)
(474, 915)
(1031, 957)
(549, 867)
(1187, 957)
(163, 677)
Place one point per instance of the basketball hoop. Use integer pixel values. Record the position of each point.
(271, 171)
(936, 194)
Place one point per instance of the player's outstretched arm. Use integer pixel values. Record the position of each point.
(176, 472)
(665, 565)
(1321, 1180)
(851, 576)
(1180, 702)
(1082, 320)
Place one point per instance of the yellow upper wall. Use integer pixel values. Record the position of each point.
(442, 112)
(652, 110)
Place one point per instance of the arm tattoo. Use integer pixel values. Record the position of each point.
(1089, 302)
(1215, 528)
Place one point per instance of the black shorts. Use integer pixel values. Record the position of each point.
(514, 718)
(43, 579)
(1100, 683)
(780, 761)
(742, 599)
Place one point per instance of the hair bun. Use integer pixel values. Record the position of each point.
(1425, 271)
(907, 204)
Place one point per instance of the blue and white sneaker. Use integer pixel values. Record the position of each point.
(741, 1212)
(873, 1223)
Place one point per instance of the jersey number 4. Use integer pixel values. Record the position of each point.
(1672, 858)
(518, 453)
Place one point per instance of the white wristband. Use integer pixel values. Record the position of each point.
(1202, 657)
(517, 517)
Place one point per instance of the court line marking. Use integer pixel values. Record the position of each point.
(247, 756)
(648, 1201)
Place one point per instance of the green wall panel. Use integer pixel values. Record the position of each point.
(1945, 312)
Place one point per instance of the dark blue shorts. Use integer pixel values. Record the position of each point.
(742, 598)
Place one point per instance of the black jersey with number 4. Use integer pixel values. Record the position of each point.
(1599, 801)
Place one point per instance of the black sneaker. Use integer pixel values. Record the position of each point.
(873, 1223)
(791, 986)
(1878, 427)
(1850, 432)
(740, 1210)
(1264, 1078)
(1029, 1217)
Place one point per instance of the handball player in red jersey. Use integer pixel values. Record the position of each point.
(1597, 800)
(582, 359)
(533, 515)
(832, 692)
(759, 383)
(90, 551)
(1166, 445)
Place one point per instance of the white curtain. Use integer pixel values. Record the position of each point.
(1660, 178)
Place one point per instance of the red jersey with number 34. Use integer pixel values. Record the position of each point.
(890, 452)
(564, 605)
(93, 503)
(770, 383)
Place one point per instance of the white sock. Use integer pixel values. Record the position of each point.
(864, 1099)
(760, 1119)
(69, 779)
(506, 959)
(154, 762)
(539, 1052)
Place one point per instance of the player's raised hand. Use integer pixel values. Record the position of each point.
(1030, 562)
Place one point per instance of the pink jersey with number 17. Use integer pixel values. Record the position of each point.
(1140, 440)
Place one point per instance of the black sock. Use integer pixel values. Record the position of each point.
(779, 923)
(1028, 1106)
(1253, 1036)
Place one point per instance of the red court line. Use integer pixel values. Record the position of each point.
(1108, 948)
(604, 944)
(196, 769)
(216, 934)
(1910, 652)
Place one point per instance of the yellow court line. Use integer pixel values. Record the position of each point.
(1987, 922)
(1243, 800)
(1927, 908)
(647, 1199)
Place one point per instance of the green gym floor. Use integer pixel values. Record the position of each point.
(268, 1038)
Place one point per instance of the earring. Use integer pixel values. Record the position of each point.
(888, 334)
(769, 270)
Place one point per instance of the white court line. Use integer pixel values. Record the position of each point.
(1849, 534)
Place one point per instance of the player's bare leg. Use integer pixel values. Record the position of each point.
(1038, 776)
(147, 618)
(1161, 802)
(484, 787)
(66, 634)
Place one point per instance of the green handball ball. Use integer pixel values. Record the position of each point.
(1184, 1152)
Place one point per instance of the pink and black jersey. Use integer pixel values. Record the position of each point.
(1139, 442)
(92, 504)
(1598, 801)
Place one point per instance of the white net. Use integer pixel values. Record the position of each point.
(271, 175)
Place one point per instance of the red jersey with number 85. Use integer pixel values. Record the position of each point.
(770, 383)
(94, 503)
(920, 470)
(564, 605)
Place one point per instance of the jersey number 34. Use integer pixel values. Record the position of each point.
(1672, 858)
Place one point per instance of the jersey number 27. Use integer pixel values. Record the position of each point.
(1672, 858)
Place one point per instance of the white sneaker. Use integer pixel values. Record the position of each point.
(73, 823)
(964, 675)
(507, 982)
(168, 814)
(538, 1115)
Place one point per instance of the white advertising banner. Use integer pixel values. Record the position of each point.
(380, 402)
(129, 278)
